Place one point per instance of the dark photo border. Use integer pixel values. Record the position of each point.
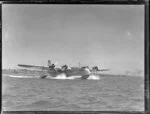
(92, 2)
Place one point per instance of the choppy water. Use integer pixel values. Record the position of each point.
(110, 93)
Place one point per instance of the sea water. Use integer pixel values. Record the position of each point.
(107, 93)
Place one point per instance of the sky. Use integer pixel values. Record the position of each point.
(109, 36)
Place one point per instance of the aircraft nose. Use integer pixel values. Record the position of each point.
(87, 71)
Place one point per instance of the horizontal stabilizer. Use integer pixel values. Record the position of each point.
(34, 67)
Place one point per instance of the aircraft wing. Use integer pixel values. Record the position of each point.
(103, 69)
(33, 67)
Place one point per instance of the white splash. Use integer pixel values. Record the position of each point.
(64, 77)
(93, 77)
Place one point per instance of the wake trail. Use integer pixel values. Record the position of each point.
(59, 77)
(21, 76)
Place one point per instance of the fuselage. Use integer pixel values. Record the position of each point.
(74, 71)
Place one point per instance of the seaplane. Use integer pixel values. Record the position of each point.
(52, 71)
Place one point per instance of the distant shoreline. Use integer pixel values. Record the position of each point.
(22, 72)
